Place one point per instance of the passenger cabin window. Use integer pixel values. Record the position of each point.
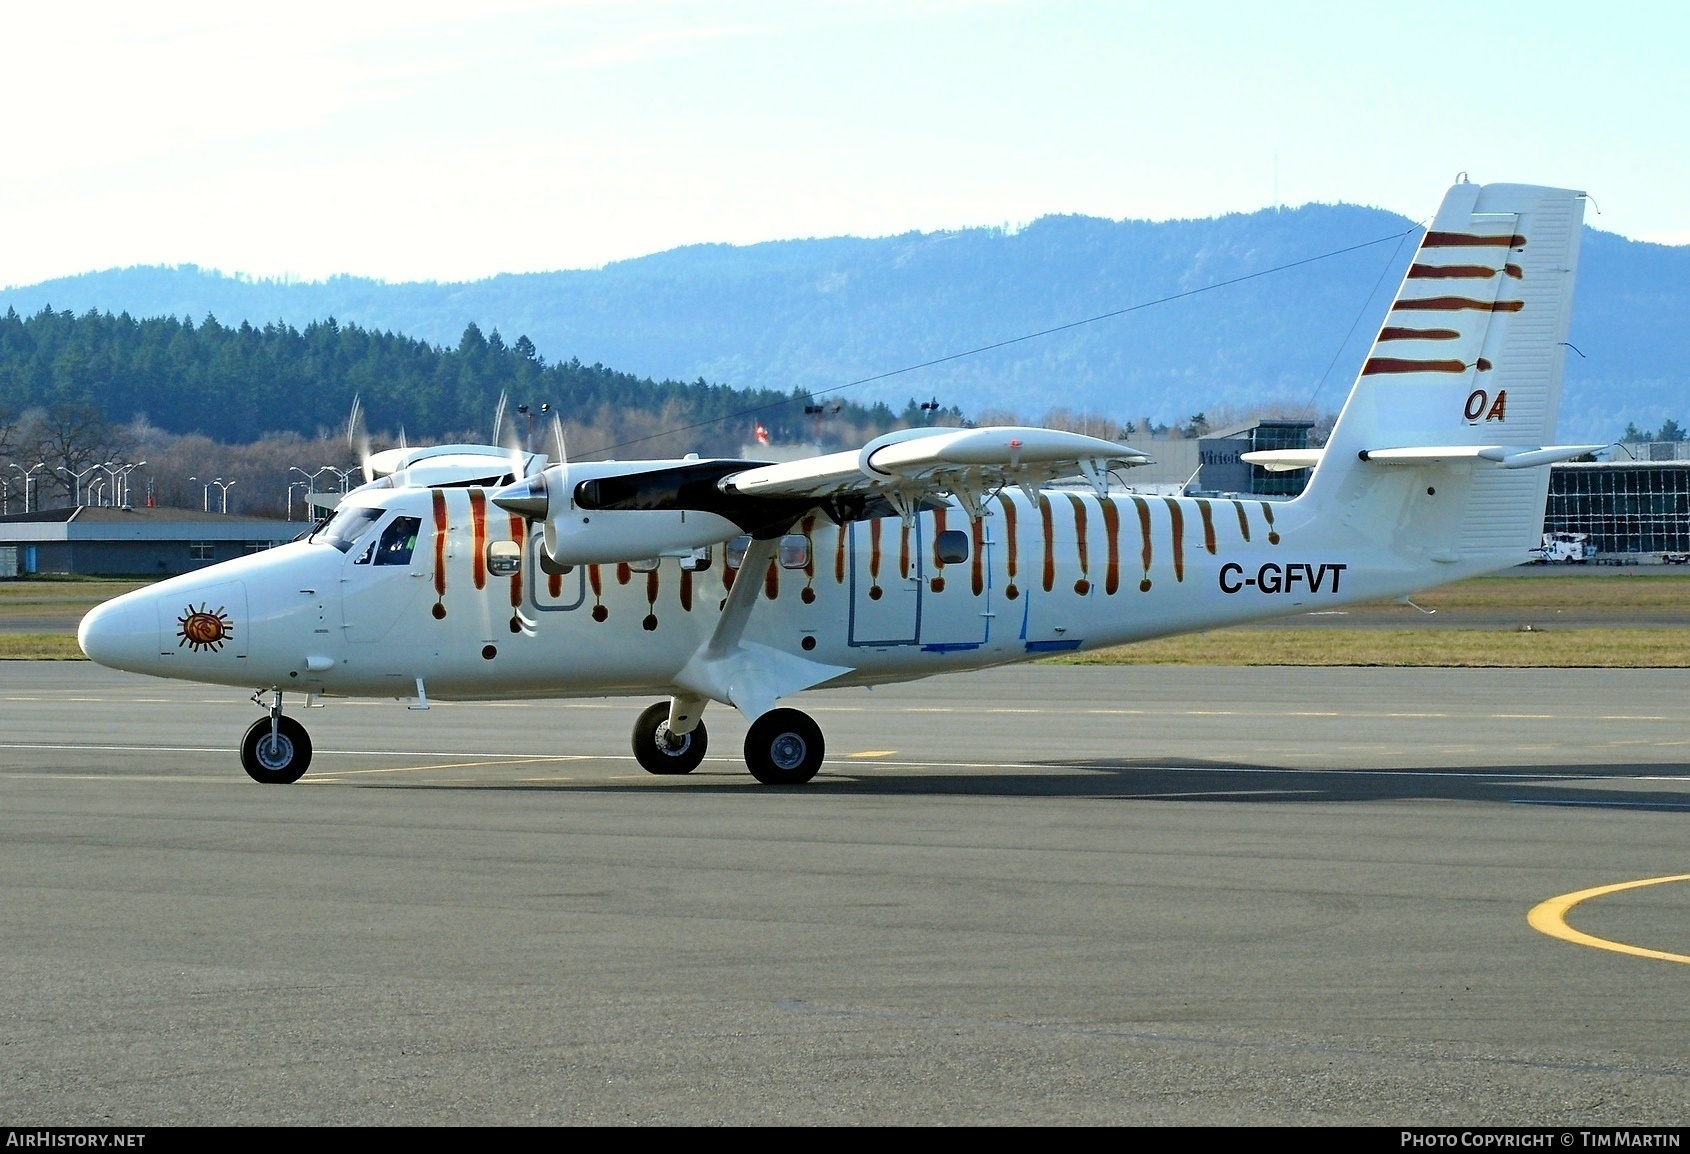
(951, 546)
(347, 525)
(736, 551)
(398, 541)
(504, 558)
(794, 551)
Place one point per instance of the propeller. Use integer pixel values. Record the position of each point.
(358, 437)
(514, 452)
(499, 415)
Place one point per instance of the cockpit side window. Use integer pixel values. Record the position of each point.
(344, 528)
(398, 541)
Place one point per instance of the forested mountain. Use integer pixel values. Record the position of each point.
(816, 313)
(235, 384)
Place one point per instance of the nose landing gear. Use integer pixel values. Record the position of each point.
(661, 751)
(276, 750)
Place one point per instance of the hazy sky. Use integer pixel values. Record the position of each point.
(416, 141)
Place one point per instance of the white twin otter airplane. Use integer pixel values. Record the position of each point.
(471, 572)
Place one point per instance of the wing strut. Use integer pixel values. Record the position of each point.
(749, 675)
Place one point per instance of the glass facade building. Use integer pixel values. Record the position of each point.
(1625, 507)
(1279, 435)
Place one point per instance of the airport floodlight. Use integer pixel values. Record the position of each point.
(223, 488)
(123, 482)
(76, 477)
(306, 485)
(29, 481)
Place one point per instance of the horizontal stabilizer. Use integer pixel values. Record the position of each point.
(1283, 460)
(1508, 456)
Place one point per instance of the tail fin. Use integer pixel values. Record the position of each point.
(1466, 373)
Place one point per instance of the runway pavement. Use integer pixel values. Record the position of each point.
(1056, 893)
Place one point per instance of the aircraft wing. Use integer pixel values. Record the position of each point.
(601, 510)
(912, 464)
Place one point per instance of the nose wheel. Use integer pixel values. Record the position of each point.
(662, 752)
(276, 751)
(784, 747)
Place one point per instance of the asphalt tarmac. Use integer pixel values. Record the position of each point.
(1056, 893)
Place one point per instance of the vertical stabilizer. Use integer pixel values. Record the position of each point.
(1470, 354)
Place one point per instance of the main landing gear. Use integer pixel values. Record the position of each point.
(782, 747)
(276, 750)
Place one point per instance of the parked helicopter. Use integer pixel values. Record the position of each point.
(475, 572)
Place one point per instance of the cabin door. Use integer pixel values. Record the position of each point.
(885, 582)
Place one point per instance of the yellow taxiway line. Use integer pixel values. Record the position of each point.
(1549, 917)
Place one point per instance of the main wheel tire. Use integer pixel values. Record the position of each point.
(659, 752)
(280, 762)
(784, 747)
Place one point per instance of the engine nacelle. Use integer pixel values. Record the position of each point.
(609, 536)
(570, 500)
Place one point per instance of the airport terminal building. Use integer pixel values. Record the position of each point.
(103, 541)
(1634, 506)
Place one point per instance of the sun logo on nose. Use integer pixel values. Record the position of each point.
(204, 629)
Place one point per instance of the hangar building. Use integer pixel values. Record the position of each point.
(94, 539)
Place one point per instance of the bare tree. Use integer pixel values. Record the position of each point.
(72, 437)
(11, 423)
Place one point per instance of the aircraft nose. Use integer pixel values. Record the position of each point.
(122, 633)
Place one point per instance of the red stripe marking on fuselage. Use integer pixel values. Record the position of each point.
(1050, 543)
(1143, 508)
(478, 535)
(1208, 526)
(1112, 529)
(439, 554)
(1177, 516)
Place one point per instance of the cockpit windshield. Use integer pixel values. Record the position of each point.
(347, 525)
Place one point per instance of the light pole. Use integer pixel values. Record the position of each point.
(223, 488)
(123, 481)
(28, 477)
(112, 469)
(6, 489)
(306, 485)
(205, 492)
(343, 474)
(76, 489)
